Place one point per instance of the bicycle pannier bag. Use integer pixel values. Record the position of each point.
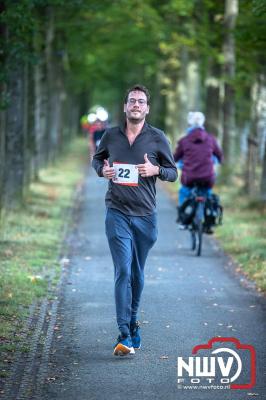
(213, 211)
(187, 211)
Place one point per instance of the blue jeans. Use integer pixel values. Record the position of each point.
(130, 239)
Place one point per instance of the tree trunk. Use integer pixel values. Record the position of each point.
(263, 177)
(60, 101)
(157, 106)
(2, 114)
(252, 161)
(51, 128)
(262, 135)
(213, 100)
(170, 117)
(28, 140)
(2, 155)
(257, 138)
(38, 131)
(231, 11)
(194, 102)
(14, 166)
(180, 101)
(187, 95)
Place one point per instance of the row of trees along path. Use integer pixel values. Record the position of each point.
(59, 57)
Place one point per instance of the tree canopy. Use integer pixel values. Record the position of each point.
(62, 56)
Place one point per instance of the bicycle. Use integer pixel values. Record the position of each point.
(197, 227)
(201, 212)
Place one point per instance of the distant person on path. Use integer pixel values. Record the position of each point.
(132, 157)
(197, 152)
(98, 133)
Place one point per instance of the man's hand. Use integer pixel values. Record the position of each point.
(147, 169)
(108, 172)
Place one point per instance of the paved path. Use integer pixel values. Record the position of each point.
(186, 301)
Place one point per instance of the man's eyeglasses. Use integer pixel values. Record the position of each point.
(132, 101)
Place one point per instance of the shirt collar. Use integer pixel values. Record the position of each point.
(122, 127)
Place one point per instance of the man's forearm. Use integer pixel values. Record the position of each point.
(98, 166)
(168, 174)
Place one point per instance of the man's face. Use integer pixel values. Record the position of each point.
(136, 107)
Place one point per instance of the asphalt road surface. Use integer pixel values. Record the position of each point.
(187, 301)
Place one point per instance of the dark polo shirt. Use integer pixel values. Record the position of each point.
(115, 147)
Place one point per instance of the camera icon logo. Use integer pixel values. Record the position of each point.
(222, 363)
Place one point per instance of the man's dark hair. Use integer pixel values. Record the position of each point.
(139, 88)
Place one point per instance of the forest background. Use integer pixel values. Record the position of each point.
(58, 58)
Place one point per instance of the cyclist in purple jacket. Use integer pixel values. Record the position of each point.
(197, 152)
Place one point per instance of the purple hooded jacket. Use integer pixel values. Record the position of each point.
(196, 150)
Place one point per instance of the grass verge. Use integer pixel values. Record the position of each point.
(243, 233)
(30, 240)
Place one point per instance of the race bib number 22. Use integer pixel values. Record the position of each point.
(126, 174)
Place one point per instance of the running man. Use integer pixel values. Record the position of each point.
(132, 157)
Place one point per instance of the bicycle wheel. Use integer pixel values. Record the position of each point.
(199, 227)
(199, 237)
(193, 239)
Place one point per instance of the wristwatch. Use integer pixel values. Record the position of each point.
(160, 171)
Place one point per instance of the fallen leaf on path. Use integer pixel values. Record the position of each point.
(35, 278)
(164, 357)
(87, 258)
(145, 322)
(51, 379)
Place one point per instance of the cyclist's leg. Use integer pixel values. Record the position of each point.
(183, 194)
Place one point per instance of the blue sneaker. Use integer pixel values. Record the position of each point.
(135, 335)
(123, 346)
